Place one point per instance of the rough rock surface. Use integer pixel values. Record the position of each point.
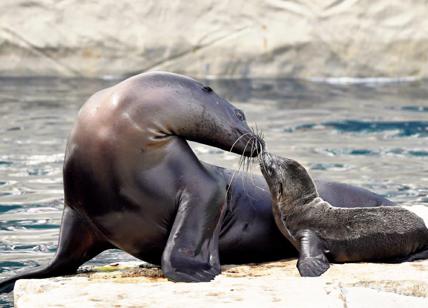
(271, 38)
(275, 284)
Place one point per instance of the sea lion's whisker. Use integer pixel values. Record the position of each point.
(248, 166)
(240, 163)
(236, 141)
(262, 163)
(244, 160)
(230, 182)
(253, 149)
(234, 173)
(246, 163)
(253, 160)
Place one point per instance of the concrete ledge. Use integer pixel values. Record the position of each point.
(266, 285)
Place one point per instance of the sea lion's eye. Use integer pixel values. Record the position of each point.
(240, 115)
(207, 89)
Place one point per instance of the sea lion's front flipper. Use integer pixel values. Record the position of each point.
(312, 260)
(191, 253)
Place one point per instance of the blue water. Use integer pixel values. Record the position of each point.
(373, 135)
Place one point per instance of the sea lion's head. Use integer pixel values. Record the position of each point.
(194, 111)
(288, 181)
(221, 124)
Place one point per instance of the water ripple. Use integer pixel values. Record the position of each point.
(33, 224)
(399, 152)
(329, 166)
(403, 128)
(13, 265)
(415, 108)
(7, 208)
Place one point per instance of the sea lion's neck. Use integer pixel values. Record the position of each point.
(304, 202)
(156, 120)
(300, 191)
(168, 117)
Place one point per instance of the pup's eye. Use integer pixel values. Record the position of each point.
(207, 89)
(240, 115)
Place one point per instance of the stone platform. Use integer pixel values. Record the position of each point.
(275, 284)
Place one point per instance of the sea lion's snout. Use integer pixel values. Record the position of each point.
(272, 169)
(267, 164)
(252, 144)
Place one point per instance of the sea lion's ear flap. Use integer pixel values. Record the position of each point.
(207, 89)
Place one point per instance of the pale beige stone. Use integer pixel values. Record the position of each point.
(271, 38)
(264, 285)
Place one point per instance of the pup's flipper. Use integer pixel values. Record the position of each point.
(312, 260)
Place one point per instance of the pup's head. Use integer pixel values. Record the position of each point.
(288, 181)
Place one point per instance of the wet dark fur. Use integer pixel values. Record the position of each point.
(319, 230)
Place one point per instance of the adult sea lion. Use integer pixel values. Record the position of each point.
(132, 182)
(322, 233)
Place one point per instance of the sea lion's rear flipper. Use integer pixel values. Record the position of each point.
(312, 260)
(191, 253)
(78, 243)
(421, 255)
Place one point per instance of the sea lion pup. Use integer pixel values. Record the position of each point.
(322, 233)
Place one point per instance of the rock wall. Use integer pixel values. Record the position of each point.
(239, 38)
